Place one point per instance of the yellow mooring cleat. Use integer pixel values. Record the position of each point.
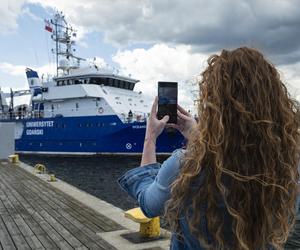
(149, 227)
(14, 158)
(39, 169)
(52, 178)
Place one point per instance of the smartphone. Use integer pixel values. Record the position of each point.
(167, 100)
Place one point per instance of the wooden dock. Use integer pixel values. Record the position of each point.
(35, 215)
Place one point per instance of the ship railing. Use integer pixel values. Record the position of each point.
(21, 115)
(133, 117)
(17, 115)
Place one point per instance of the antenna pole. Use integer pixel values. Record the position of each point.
(2, 107)
(56, 51)
(11, 99)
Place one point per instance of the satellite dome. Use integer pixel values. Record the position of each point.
(63, 64)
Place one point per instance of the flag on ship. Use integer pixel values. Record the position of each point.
(48, 26)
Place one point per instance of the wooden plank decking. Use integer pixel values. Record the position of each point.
(34, 215)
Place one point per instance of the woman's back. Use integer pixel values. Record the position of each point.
(246, 141)
(235, 185)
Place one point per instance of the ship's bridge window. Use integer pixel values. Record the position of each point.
(122, 85)
(131, 86)
(93, 81)
(99, 81)
(126, 85)
(115, 83)
(112, 82)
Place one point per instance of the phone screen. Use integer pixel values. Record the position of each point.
(167, 100)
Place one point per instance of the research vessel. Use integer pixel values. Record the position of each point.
(82, 110)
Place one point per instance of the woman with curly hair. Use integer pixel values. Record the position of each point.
(235, 184)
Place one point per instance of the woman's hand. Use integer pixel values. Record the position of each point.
(155, 126)
(185, 122)
(153, 130)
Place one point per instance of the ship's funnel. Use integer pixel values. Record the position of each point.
(34, 82)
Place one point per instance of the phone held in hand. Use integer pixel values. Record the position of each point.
(167, 100)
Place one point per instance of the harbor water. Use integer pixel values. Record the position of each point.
(96, 175)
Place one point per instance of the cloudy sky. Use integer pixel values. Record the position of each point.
(151, 40)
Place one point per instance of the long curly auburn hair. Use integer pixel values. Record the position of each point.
(246, 145)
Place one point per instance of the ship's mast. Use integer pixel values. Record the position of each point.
(63, 35)
(1, 101)
(11, 99)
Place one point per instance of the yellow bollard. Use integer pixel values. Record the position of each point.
(14, 158)
(149, 227)
(39, 169)
(52, 178)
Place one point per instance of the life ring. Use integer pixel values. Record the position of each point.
(100, 110)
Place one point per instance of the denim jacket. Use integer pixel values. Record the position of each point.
(150, 186)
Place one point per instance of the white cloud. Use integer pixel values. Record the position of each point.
(9, 12)
(15, 70)
(290, 75)
(27, 11)
(266, 24)
(13, 76)
(179, 63)
(163, 63)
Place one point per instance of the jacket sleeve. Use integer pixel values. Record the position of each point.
(150, 184)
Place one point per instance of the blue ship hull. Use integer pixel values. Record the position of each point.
(89, 135)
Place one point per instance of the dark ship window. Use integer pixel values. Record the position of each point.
(111, 82)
